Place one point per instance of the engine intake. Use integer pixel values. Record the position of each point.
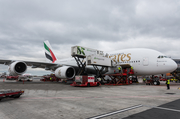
(17, 68)
(65, 72)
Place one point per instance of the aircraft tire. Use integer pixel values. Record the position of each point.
(155, 83)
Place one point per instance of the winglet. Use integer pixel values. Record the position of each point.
(49, 52)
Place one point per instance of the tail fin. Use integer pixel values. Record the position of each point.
(49, 52)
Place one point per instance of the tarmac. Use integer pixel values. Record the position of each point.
(56, 100)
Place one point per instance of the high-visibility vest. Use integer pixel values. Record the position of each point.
(144, 79)
(168, 81)
(132, 68)
(119, 68)
(50, 78)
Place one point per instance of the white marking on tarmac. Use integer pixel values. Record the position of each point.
(119, 111)
(167, 109)
(163, 108)
(111, 97)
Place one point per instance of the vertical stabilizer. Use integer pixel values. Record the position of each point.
(49, 52)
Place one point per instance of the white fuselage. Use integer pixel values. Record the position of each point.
(144, 61)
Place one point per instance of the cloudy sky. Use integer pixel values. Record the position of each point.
(106, 25)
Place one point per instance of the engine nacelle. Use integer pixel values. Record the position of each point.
(17, 68)
(65, 72)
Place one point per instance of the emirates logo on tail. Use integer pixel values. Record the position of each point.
(48, 53)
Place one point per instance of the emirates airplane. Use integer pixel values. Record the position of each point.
(144, 62)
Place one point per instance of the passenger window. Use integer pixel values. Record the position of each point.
(158, 56)
(161, 56)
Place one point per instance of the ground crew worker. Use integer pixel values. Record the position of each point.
(168, 83)
(171, 79)
(50, 78)
(144, 80)
(131, 68)
(119, 69)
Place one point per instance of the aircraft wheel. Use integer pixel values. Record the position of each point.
(155, 83)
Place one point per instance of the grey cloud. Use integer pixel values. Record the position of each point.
(24, 25)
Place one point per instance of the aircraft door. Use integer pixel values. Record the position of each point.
(145, 61)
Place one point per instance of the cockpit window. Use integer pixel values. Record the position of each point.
(162, 56)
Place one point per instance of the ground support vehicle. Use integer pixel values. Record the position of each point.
(121, 78)
(50, 78)
(163, 79)
(85, 81)
(12, 77)
(154, 81)
(10, 94)
(25, 78)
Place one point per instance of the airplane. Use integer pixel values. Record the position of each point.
(144, 62)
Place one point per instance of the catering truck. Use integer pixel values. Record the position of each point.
(83, 51)
(98, 60)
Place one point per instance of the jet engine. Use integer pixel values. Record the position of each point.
(65, 72)
(17, 68)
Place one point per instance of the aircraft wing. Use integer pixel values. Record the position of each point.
(44, 65)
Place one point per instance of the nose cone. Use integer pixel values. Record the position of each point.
(172, 65)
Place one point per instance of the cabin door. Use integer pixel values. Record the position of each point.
(145, 61)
